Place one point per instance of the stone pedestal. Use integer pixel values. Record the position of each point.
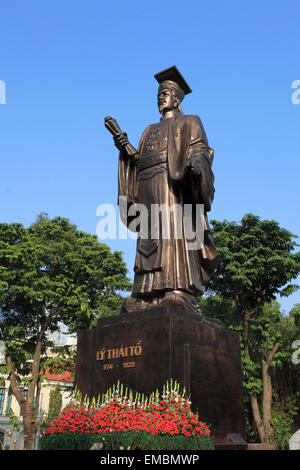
(145, 349)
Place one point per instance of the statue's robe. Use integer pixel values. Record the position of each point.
(160, 173)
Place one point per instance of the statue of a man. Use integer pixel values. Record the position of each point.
(171, 167)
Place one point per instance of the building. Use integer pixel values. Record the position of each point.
(8, 435)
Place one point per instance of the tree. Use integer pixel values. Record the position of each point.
(285, 374)
(257, 262)
(50, 273)
(295, 314)
(286, 379)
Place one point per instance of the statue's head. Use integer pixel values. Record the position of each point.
(172, 89)
(168, 97)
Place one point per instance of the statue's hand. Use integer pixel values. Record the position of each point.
(121, 140)
(195, 165)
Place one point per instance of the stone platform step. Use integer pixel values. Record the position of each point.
(234, 441)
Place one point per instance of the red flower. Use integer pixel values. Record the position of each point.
(171, 416)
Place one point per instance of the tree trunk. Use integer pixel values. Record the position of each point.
(262, 418)
(267, 404)
(246, 319)
(267, 395)
(27, 405)
(257, 418)
(29, 430)
(264, 422)
(253, 398)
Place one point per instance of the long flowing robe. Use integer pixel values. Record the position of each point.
(165, 263)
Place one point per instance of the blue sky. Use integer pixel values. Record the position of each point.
(67, 65)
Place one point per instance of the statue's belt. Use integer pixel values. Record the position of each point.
(151, 160)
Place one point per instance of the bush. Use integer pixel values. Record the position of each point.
(121, 420)
(283, 415)
(130, 440)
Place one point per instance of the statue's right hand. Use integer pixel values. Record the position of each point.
(121, 140)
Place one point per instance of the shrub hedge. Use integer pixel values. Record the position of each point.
(123, 440)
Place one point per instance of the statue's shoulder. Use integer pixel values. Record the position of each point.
(191, 117)
(194, 127)
(190, 120)
(148, 128)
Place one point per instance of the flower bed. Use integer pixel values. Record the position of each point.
(122, 420)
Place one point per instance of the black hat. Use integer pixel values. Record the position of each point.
(173, 75)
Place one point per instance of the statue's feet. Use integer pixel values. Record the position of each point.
(181, 299)
(178, 298)
(133, 305)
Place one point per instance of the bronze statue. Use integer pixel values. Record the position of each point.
(171, 167)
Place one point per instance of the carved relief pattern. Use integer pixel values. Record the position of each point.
(155, 142)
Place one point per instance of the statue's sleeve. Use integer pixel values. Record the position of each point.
(201, 190)
(197, 148)
(128, 180)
